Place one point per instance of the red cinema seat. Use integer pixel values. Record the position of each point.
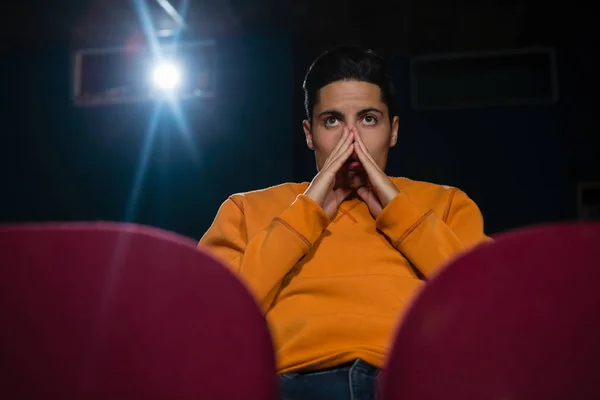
(517, 319)
(119, 311)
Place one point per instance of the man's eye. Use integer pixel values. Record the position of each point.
(369, 120)
(331, 121)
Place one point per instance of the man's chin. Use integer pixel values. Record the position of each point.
(352, 180)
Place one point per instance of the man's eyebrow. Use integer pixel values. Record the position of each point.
(336, 113)
(370, 109)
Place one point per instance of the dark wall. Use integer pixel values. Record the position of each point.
(141, 162)
(580, 74)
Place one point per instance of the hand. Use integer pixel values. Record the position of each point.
(381, 190)
(321, 187)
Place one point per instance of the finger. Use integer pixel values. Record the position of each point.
(337, 163)
(340, 146)
(369, 166)
(376, 177)
(362, 145)
(345, 151)
(340, 143)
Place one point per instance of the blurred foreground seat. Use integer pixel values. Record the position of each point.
(517, 319)
(115, 311)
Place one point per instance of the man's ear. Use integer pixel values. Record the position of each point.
(394, 137)
(308, 134)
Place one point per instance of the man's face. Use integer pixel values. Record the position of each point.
(351, 104)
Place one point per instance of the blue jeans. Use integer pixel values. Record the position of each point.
(354, 381)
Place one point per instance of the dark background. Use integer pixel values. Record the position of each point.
(137, 162)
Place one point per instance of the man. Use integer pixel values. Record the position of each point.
(335, 262)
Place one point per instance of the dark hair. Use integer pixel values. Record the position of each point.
(348, 63)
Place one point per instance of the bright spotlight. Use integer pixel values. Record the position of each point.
(166, 76)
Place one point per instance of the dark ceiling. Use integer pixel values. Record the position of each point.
(411, 25)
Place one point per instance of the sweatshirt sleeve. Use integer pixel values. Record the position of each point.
(426, 239)
(264, 260)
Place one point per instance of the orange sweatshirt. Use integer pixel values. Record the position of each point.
(333, 291)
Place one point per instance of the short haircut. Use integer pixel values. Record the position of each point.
(348, 63)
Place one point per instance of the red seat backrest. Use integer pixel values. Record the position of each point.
(111, 311)
(515, 319)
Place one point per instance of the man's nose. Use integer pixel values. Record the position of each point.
(354, 126)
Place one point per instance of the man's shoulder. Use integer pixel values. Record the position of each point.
(282, 193)
(424, 191)
(414, 185)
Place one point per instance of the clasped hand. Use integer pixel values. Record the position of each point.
(378, 192)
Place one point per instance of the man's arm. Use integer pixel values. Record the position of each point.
(427, 239)
(265, 259)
